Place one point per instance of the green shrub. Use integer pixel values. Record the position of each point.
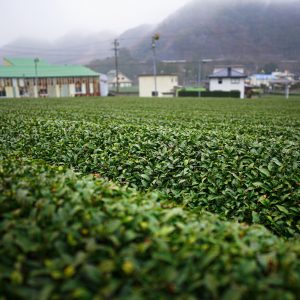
(221, 94)
(69, 230)
(67, 236)
(213, 94)
(245, 169)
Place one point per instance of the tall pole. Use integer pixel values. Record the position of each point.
(287, 90)
(116, 48)
(199, 73)
(154, 39)
(199, 77)
(36, 60)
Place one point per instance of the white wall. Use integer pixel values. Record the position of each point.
(259, 81)
(52, 91)
(83, 88)
(165, 85)
(16, 88)
(72, 89)
(9, 92)
(227, 85)
(103, 85)
(58, 94)
(91, 88)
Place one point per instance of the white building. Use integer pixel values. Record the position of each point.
(25, 77)
(267, 80)
(259, 80)
(123, 80)
(286, 75)
(166, 84)
(104, 85)
(228, 79)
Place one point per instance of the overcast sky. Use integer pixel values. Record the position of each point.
(50, 19)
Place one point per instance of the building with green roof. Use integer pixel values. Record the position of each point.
(23, 77)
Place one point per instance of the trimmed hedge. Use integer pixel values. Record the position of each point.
(68, 232)
(67, 236)
(217, 94)
(252, 177)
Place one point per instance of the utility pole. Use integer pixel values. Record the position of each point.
(200, 71)
(287, 90)
(116, 49)
(199, 77)
(201, 63)
(36, 60)
(154, 39)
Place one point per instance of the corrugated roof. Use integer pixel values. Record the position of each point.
(25, 68)
(228, 73)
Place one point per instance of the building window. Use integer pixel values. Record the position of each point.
(43, 92)
(7, 82)
(235, 81)
(220, 80)
(78, 87)
(2, 92)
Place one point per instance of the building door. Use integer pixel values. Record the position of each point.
(64, 90)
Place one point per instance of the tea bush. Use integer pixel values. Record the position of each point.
(244, 168)
(149, 199)
(67, 236)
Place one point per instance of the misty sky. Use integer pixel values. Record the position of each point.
(50, 19)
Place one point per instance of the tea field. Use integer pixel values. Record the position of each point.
(127, 198)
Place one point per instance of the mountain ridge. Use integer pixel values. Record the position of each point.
(239, 30)
(250, 32)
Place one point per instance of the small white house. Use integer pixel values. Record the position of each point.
(259, 80)
(166, 84)
(267, 79)
(228, 79)
(104, 85)
(123, 80)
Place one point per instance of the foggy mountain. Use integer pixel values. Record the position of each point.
(239, 30)
(74, 48)
(132, 37)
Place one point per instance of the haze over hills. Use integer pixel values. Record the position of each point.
(77, 47)
(245, 31)
(239, 30)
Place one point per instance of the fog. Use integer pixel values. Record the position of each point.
(50, 19)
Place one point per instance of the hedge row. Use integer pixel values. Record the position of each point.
(251, 177)
(67, 236)
(213, 94)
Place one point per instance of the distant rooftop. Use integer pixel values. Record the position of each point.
(112, 74)
(264, 76)
(25, 68)
(23, 62)
(228, 72)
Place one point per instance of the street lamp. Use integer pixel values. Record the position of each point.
(155, 38)
(36, 60)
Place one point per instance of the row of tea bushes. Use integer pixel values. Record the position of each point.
(249, 174)
(69, 236)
